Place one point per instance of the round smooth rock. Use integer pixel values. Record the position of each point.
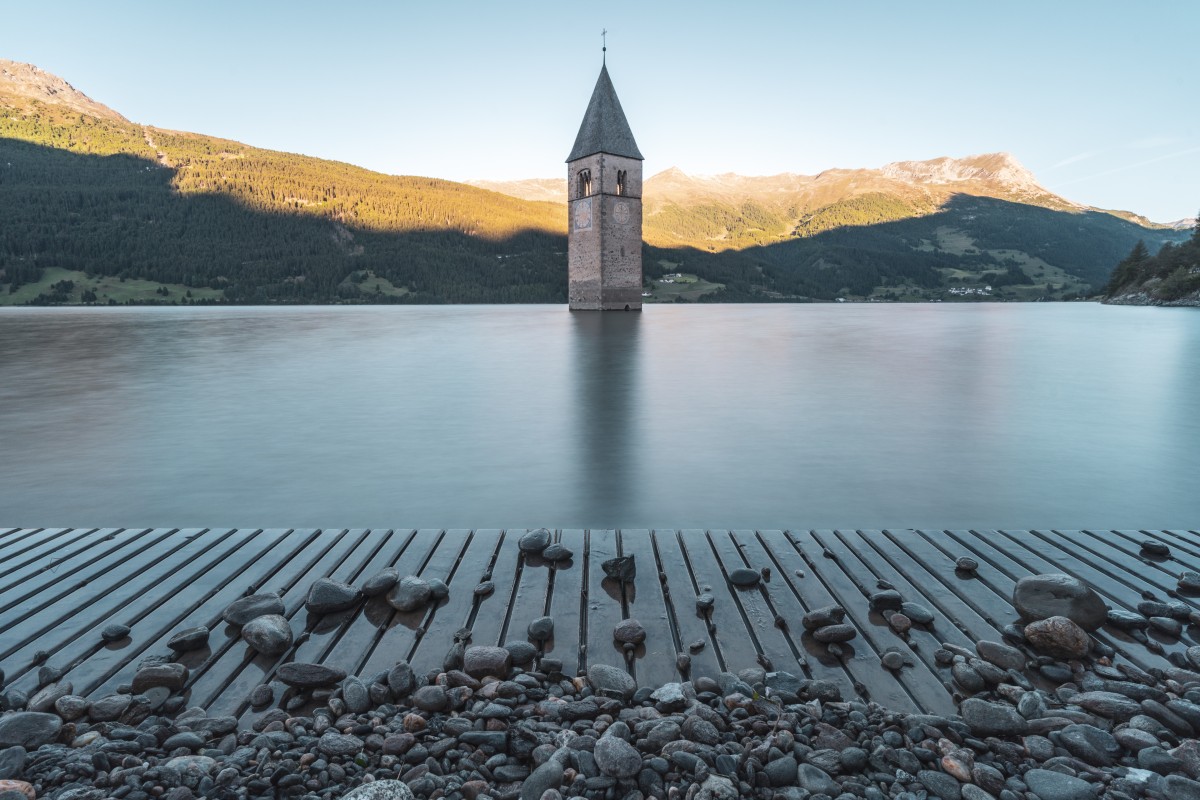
(431, 698)
(899, 622)
(1054, 595)
(381, 582)
(919, 614)
(1155, 548)
(385, 790)
(1058, 637)
(401, 679)
(171, 676)
(438, 590)
(114, 632)
(892, 660)
(189, 639)
(480, 661)
(1002, 655)
(521, 652)
(557, 552)
(745, 577)
(887, 600)
(541, 629)
(1189, 581)
(1050, 785)
(239, 612)
(355, 695)
(835, 633)
(986, 718)
(534, 542)
(704, 602)
(1166, 626)
(29, 729)
(109, 708)
(303, 675)
(611, 681)
(262, 695)
(629, 631)
(966, 564)
(484, 589)
(327, 596)
(409, 594)
(332, 743)
(270, 635)
(822, 617)
(617, 758)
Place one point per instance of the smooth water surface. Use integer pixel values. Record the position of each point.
(942, 416)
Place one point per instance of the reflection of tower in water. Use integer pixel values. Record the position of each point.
(607, 370)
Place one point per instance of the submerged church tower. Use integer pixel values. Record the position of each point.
(604, 191)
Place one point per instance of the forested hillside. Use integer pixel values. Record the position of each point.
(1171, 277)
(97, 209)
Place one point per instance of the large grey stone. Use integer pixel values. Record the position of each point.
(816, 780)
(1002, 655)
(327, 596)
(992, 719)
(45, 698)
(409, 594)
(548, 776)
(1058, 637)
(241, 611)
(629, 631)
(269, 634)
(1092, 745)
(611, 681)
(534, 542)
(479, 661)
(1054, 595)
(617, 758)
(381, 582)
(309, 676)
(333, 743)
(401, 679)
(109, 708)
(1109, 705)
(189, 639)
(1050, 785)
(380, 790)
(29, 729)
(171, 676)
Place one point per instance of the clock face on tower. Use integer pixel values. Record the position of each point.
(583, 214)
(621, 211)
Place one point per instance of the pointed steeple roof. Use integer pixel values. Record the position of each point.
(604, 128)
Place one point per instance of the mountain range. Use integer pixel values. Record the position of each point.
(101, 209)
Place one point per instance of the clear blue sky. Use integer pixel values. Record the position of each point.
(1099, 99)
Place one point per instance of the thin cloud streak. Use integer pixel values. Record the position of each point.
(1075, 159)
(1150, 142)
(1126, 167)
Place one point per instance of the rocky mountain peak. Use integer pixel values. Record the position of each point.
(1001, 169)
(25, 82)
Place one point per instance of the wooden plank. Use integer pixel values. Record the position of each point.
(681, 596)
(58, 626)
(38, 543)
(1181, 541)
(786, 598)
(1115, 556)
(567, 603)
(957, 620)
(1182, 556)
(396, 637)
(455, 614)
(1002, 564)
(654, 660)
(307, 555)
(245, 669)
(42, 585)
(923, 686)
(493, 609)
(18, 567)
(440, 567)
(605, 603)
(9, 535)
(738, 647)
(528, 601)
(756, 609)
(210, 591)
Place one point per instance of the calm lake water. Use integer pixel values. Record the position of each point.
(943, 416)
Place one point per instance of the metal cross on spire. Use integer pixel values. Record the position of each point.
(603, 44)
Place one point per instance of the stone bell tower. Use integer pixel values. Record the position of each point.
(604, 191)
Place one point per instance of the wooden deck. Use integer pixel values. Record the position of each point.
(60, 587)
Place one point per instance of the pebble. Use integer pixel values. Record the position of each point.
(621, 568)
(239, 612)
(892, 660)
(835, 633)
(380, 583)
(409, 594)
(616, 757)
(1155, 548)
(484, 589)
(822, 617)
(1058, 637)
(919, 614)
(629, 631)
(270, 635)
(481, 661)
(558, 552)
(327, 596)
(966, 564)
(541, 629)
(114, 632)
(1055, 595)
(704, 602)
(305, 675)
(534, 542)
(1189, 582)
(611, 681)
(744, 577)
(189, 639)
